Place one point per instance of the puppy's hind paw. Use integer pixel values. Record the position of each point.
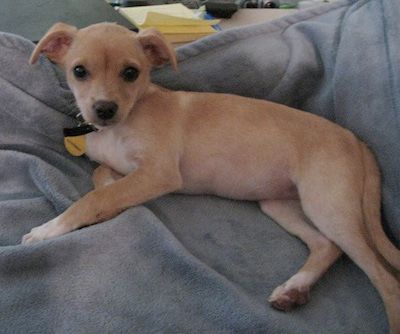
(286, 299)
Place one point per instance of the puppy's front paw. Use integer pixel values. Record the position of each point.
(51, 229)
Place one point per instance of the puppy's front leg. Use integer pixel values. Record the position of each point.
(151, 180)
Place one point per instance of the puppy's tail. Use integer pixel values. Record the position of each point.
(372, 210)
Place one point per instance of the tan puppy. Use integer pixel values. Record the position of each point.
(301, 168)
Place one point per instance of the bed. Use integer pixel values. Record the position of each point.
(195, 264)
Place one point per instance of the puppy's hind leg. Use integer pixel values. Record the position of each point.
(323, 253)
(104, 175)
(335, 209)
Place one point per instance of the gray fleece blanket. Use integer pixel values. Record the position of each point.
(195, 264)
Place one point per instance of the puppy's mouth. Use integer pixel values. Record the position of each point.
(96, 125)
(103, 124)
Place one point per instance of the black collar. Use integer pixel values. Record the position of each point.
(79, 130)
(83, 128)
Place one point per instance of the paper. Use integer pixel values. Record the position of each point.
(164, 15)
(168, 29)
(177, 22)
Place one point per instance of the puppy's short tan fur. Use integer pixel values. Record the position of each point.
(301, 168)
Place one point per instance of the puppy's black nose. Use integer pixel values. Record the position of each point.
(105, 110)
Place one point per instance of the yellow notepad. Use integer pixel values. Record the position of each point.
(155, 18)
(186, 29)
(174, 15)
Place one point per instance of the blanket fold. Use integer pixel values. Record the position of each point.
(194, 264)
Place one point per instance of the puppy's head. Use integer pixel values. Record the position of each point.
(107, 66)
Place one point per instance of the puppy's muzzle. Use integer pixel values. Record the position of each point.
(105, 110)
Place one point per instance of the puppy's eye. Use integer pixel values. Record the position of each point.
(80, 72)
(130, 74)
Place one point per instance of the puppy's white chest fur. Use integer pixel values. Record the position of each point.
(116, 148)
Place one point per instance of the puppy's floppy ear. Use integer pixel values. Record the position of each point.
(55, 43)
(158, 50)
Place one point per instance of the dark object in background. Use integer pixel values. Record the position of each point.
(192, 4)
(259, 4)
(270, 4)
(129, 3)
(221, 8)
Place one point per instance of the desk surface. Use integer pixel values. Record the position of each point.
(250, 16)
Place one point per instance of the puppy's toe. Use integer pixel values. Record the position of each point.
(46, 231)
(287, 298)
(25, 239)
(30, 238)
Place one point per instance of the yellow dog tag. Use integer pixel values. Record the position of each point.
(75, 139)
(76, 146)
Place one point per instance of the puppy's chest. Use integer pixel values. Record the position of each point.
(116, 149)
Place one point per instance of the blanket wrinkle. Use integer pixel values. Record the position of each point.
(194, 264)
(392, 57)
(199, 263)
(11, 72)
